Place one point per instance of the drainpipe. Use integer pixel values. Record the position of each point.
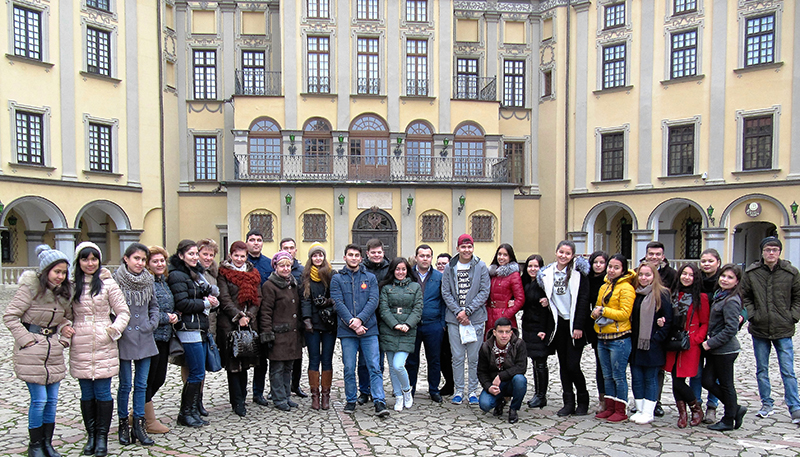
(161, 125)
(567, 116)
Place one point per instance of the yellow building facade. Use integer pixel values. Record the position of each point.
(612, 123)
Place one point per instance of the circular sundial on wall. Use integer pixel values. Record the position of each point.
(753, 209)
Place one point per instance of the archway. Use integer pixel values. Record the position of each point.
(747, 239)
(32, 221)
(608, 227)
(677, 223)
(376, 223)
(106, 224)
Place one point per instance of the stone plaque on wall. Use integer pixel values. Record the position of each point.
(382, 200)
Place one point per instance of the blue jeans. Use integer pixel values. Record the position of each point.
(785, 353)
(320, 350)
(368, 345)
(696, 384)
(644, 382)
(398, 372)
(516, 389)
(139, 387)
(364, 379)
(614, 356)
(97, 389)
(431, 336)
(195, 356)
(44, 400)
(460, 351)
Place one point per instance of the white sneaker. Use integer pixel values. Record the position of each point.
(398, 403)
(647, 415)
(408, 399)
(639, 410)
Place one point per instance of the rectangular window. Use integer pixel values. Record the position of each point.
(27, 33)
(680, 150)
(547, 83)
(100, 148)
(319, 80)
(514, 83)
(253, 72)
(760, 40)
(367, 9)
(612, 156)
(757, 143)
(684, 6)
(315, 228)
(483, 228)
(98, 51)
(614, 66)
(368, 80)
(317, 157)
(468, 158)
(515, 159)
(205, 75)
(264, 155)
(416, 10)
(205, 158)
(684, 54)
(467, 79)
(99, 4)
(264, 223)
(432, 228)
(30, 138)
(416, 67)
(418, 157)
(615, 15)
(318, 9)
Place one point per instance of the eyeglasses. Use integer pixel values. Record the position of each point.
(772, 250)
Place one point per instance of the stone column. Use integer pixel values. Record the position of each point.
(101, 240)
(640, 240)
(579, 238)
(127, 238)
(791, 243)
(33, 238)
(715, 238)
(65, 240)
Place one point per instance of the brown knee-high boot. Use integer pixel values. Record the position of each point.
(327, 379)
(313, 382)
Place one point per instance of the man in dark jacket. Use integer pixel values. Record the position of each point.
(254, 241)
(502, 363)
(431, 328)
(376, 264)
(355, 295)
(771, 296)
(288, 245)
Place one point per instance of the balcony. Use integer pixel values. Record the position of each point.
(319, 85)
(470, 87)
(370, 168)
(257, 81)
(417, 88)
(368, 86)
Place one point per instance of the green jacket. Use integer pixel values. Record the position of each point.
(400, 303)
(772, 299)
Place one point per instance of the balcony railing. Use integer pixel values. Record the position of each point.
(368, 86)
(417, 88)
(256, 81)
(372, 168)
(470, 87)
(319, 85)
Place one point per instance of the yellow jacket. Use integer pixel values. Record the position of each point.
(619, 305)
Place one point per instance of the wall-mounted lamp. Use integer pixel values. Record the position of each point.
(793, 206)
(398, 150)
(623, 221)
(2, 207)
(341, 204)
(340, 148)
(292, 147)
(461, 201)
(710, 211)
(446, 142)
(12, 220)
(410, 201)
(288, 199)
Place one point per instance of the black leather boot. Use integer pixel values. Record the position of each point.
(36, 445)
(89, 413)
(105, 412)
(583, 404)
(195, 410)
(139, 432)
(48, 429)
(540, 379)
(124, 432)
(200, 408)
(569, 405)
(185, 416)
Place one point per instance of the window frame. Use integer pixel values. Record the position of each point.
(98, 8)
(205, 136)
(254, 86)
(317, 8)
(516, 156)
(309, 53)
(666, 125)
(416, 60)
(683, 51)
(425, 234)
(206, 86)
(599, 132)
(323, 147)
(486, 217)
(113, 125)
(673, 5)
(417, 146)
(372, 11)
(547, 76)
(43, 14)
(609, 9)
(604, 63)
(414, 7)
(372, 66)
(465, 162)
(98, 54)
(744, 17)
(517, 83)
(741, 117)
(469, 93)
(43, 111)
(324, 234)
(273, 148)
(269, 230)
(772, 33)
(100, 149)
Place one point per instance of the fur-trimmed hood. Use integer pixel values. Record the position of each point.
(581, 265)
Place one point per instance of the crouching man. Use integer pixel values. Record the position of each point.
(502, 363)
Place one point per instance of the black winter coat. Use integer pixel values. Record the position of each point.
(319, 297)
(535, 319)
(595, 283)
(189, 296)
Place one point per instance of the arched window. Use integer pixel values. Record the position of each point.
(264, 148)
(468, 151)
(482, 226)
(419, 147)
(433, 227)
(317, 139)
(369, 148)
(263, 221)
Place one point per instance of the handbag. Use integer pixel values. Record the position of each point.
(175, 345)
(244, 343)
(467, 333)
(679, 340)
(213, 359)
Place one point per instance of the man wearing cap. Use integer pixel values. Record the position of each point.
(465, 289)
(771, 296)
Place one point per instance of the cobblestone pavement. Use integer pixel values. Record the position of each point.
(428, 429)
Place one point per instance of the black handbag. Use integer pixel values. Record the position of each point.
(175, 345)
(213, 359)
(679, 340)
(326, 312)
(244, 343)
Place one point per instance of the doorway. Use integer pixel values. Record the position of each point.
(376, 223)
(747, 239)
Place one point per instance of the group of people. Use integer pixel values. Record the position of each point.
(254, 311)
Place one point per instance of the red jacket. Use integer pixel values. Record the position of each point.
(503, 289)
(686, 362)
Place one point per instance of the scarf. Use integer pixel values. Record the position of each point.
(280, 281)
(680, 308)
(248, 283)
(314, 274)
(505, 270)
(720, 294)
(499, 355)
(647, 311)
(138, 289)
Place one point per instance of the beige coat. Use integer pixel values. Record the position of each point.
(43, 361)
(94, 352)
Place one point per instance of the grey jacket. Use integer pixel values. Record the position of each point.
(723, 324)
(478, 294)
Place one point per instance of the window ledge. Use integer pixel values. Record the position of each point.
(30, 166)
(417, 97)
(87, 74)
(375, 96)
(763, 66)
(611, 181)
(685, 79)
(318, 94)
(102, 173)
(676, 177)
(514, 108)
(755, 172)
(613, 90)
(40, 63)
